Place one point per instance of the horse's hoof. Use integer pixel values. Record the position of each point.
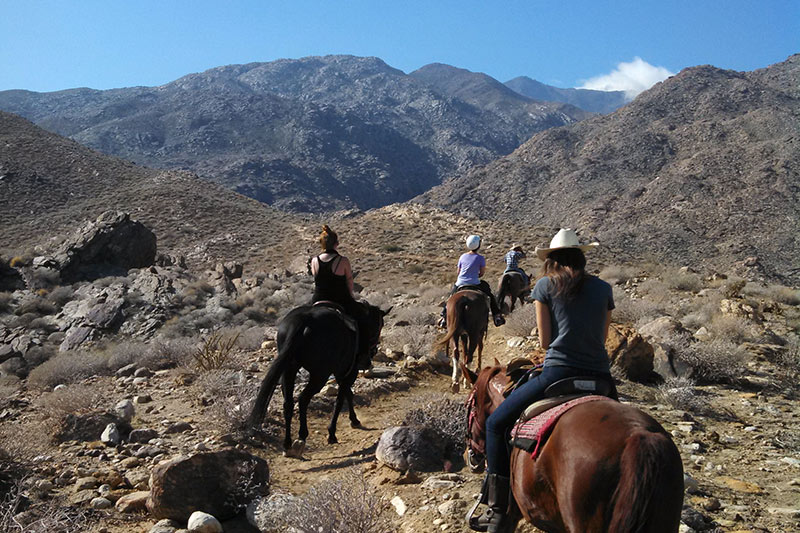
(332, 439)
(296, 450)
(454, 387)
(356, 424)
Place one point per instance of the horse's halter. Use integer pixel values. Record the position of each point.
(476, 451)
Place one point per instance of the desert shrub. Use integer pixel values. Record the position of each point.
(788, 368)
(415, 268)
(430, 294)
(628, 310)
(346, 504)
(43, 324)
(413, 341)
(125, 353)
(37, 306)
(684, 281)
(230, 397)
(444, 418)
(61, 295)
(391, 248)
(18, 261)
(250, 339)
(616, 274)
(733, 328)
(680, 393)
(36, 355)
(699, 312)
(521, 322)
(656, 291)
(44, 516)
(195, 294)
(775, 293)
(732, 287)
(6, 301)
(24, 320)
(414, 316)
(71, 399)
(215, 351)
(68, 367)
(715, 361)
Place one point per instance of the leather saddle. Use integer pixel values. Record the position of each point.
(349, 321)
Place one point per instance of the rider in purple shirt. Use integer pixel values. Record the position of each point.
(471, 266)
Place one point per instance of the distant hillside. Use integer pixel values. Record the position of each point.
(49, 185)
(703, 167)
(586, 99)
(487, 93)
(312, 134)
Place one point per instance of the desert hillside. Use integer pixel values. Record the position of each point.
(704, 168)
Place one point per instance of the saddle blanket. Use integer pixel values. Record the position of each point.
(532, 434)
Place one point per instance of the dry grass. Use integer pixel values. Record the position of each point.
(616, 274)
(521, 322)
(680, 393)
(215, 352)
(715, 361)
(68, 367)
(444, 419)
(414, 341)
(684, 281)
(732, 328)
(635, 311)
(775, 293)
(229, 396)
(71, 399)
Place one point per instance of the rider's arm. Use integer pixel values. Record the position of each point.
(481, 271)
(607, 324)
(347, 272)
(314, 266)
(543, 324)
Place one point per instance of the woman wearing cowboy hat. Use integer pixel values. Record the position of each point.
(573, 313)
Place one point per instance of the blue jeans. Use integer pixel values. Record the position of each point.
(501, 421)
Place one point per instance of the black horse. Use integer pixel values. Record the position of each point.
(322, 340)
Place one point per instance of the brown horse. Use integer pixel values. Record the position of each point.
(606, 466)
(514, 286)
(467, 322)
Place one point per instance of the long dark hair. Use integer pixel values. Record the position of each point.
(566, 269)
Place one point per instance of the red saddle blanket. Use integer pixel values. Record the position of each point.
(532, 434)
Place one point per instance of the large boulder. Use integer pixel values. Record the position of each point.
(663, 334)
(406, 448)
(220, 483)
(111, 245)
(628, 351)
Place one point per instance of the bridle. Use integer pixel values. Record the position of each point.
(476, 453)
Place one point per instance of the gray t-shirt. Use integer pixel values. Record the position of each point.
(578, 324)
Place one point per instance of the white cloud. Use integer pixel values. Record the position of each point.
(633, 78)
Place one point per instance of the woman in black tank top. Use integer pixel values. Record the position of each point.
(333, 277)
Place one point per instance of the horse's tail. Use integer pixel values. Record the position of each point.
(286, 350)
(443, 343)
(649, 496)
(503, 290)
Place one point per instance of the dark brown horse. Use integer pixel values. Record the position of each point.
(467, 322)
(512, 286)
(606, 466)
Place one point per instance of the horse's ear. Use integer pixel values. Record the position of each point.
(384, 313)
(496, 362)
(470, 376)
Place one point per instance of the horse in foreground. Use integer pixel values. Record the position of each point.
(513, 286)
(467, 322)
(322, 340)
(606, 467)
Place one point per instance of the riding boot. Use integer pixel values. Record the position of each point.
(495, 494)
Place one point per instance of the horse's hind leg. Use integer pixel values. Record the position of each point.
(314, 385)
(454, 386)
(287, 386)
(345, 394)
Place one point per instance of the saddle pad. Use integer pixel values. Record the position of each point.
(531, 435)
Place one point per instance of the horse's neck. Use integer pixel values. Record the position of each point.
(496, 386)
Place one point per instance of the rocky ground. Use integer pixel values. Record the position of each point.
(727, 349)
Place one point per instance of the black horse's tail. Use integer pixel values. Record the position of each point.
(286, 348)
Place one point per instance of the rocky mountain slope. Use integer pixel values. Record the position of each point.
(703, 167)
(49, 184)
(588, 99)
(312, 134)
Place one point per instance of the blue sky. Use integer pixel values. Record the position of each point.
(49, 45)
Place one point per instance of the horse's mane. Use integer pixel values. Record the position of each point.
(482, 399)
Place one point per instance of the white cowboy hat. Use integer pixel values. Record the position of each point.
(565, 238)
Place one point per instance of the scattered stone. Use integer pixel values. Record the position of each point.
(629, 352)
(142, 398)
(178, 427)
(142, 435)
(133, 503)
(110, 435)
(130, 462)
(203, 523)
(165, 526)
(399, 505)
(712, 504)
(515, 342)
(139, 381)
(126, 370)
(742, 486)
(148, 451)
(85, 483)
(100, 503)
(76, 336)
(452, 509)
(125, 410)
(143, 372)
(331, 390)
(690, 484)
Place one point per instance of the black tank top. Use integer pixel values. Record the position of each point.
(329, 286)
